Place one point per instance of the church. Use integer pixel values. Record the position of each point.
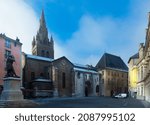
(45, 76)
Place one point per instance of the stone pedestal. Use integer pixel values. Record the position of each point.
(11, 91)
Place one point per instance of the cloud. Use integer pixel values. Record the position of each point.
(18, 19)
(119, 36)
(86, 43)
(94, 36)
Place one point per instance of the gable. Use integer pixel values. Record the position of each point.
(62, 62)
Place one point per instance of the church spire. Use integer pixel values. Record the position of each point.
(42, 34)
(41, 45)
(42, 20)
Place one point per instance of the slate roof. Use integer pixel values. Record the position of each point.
(39, 58)
(85, 70)
(17, 41)
(135, 56)
(111, 61)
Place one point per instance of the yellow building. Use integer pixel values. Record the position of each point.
(133, 74)
(142, 68)
(114, 75)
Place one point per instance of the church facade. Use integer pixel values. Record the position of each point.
(44, 76)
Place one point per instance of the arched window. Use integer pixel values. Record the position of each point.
(42, 53)
(63, 80)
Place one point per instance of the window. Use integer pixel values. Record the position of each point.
(85, 76)
(48, 75)
(97, 79)
(41, 75)
(142, 90)
(102, 81)
(47, 54)
(63, 80)
(15, 44)
(42, 53)
(141, 73)
(7, 44)
(108, 81)
(78, 75)
(32, 75)
(7, 53)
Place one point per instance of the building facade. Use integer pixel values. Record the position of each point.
(114, 75)
(86, 81)
(143, 67)
(35, 70)
(133, 75)
(75, 80)
(9, 46)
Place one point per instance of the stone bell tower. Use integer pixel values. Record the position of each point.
(41, 45)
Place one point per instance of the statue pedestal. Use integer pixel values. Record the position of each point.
(12, 90)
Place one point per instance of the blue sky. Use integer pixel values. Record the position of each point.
(63, 16)
(82, 29)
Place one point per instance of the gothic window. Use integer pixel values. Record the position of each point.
(48, 75)
(41, 75)
(63, 80)
(43, 53)
(47, 54)
(32, 75)
(7, 44)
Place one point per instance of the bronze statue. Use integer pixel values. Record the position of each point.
(9, 67)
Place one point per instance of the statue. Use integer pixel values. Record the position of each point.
(9, 67)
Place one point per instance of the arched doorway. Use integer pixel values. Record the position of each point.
(88, 88)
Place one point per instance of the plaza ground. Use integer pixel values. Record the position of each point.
(82, 102)
(91, 102)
